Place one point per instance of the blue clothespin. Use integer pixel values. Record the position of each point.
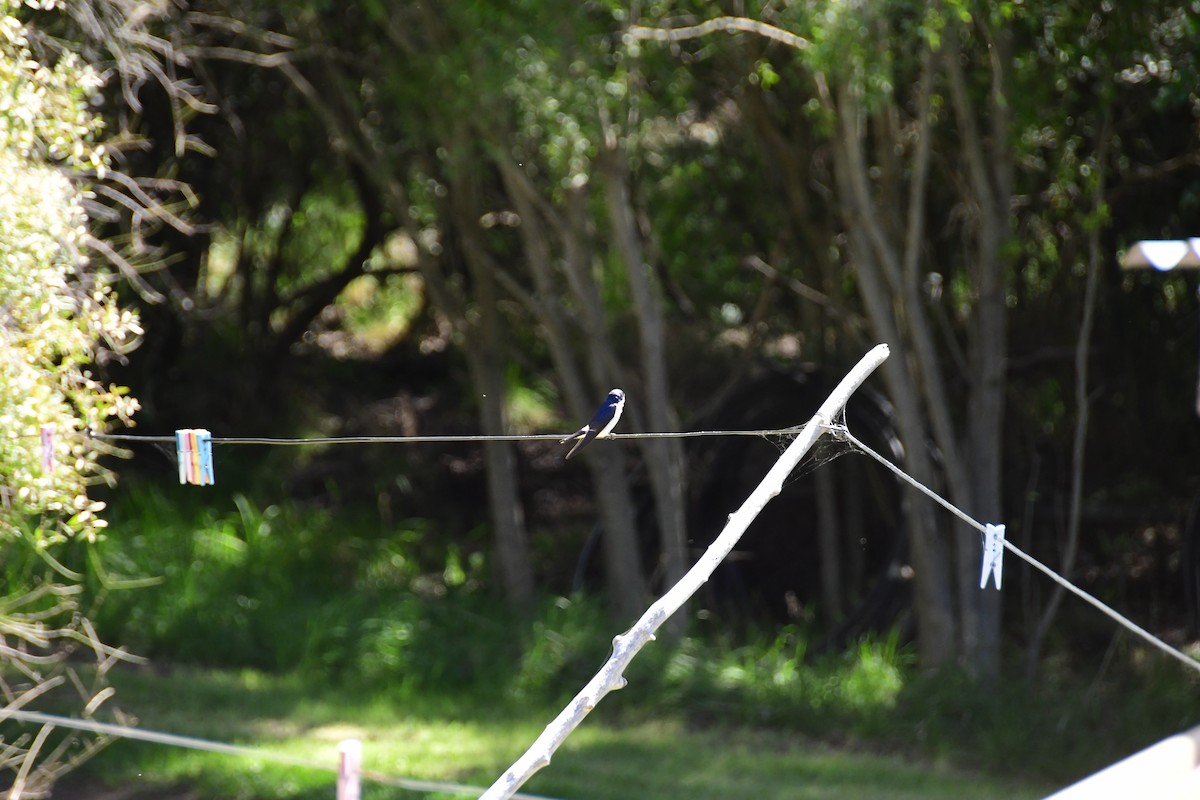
(993, 554)
(204, 445)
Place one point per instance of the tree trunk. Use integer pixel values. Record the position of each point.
(482, 332)
(988, 163)
(876, 262)
(664, 456)
(511, 541)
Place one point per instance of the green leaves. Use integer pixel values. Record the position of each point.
(55, 311)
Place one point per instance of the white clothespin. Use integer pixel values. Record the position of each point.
(47, 449)
(183, 454)
(993, 554)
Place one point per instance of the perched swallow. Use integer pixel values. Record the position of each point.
(601, 424)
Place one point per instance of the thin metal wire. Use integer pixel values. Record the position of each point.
(194, 743)
(842, 432)
(432, 439)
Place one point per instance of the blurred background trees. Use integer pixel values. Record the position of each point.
(409, 219)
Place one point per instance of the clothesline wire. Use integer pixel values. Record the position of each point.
(194, 743)
(842, 432)
(430, 439)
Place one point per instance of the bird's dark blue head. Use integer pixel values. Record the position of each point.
(615, 397)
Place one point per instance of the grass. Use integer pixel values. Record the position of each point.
(294, 626)
(612, 757)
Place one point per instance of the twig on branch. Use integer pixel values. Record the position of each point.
(241, 28)
(128, 270)
(719, 24)
(611, 676)
(240, 55)
(797, 287)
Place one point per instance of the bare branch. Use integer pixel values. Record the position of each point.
(719, 25)
(271, 60)
(240, 28)
(128, 270)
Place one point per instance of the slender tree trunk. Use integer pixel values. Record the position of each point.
(1082, 408)
(485, 360)
(988, 190)
(484, 348)
(664, 456)
(877, 263)
(511, 541)
(933, 595)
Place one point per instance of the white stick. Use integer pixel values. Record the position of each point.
(611, 676)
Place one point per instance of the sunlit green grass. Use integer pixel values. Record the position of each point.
(613, 756)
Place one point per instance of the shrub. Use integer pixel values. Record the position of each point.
(58, 313)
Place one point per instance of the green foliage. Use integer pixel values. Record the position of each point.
(555, 115)
(294, 588)
(238, 585)
(58, 315)
(379, 311)
(45, 119)
(446, 89)
(561, 650)
(773, 680)
(994, 726)
(58, 309)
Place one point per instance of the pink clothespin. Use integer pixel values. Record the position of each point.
(993, 554)
(183, 453)
(47, 449)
